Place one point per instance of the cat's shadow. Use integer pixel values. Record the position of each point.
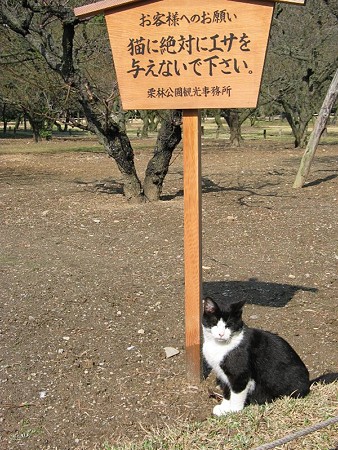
(253, 292)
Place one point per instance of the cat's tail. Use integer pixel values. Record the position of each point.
(326, 378)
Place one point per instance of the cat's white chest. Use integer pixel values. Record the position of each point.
(214, 351)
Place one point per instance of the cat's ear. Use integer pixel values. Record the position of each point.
(209, 306)
(238, 307)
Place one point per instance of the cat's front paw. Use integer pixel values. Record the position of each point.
(222, 409)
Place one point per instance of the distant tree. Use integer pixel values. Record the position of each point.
(301, 60)
(29, 86)
(36, 93)
(151, 119)
(216, 114)
(235, 119)
(8, 112)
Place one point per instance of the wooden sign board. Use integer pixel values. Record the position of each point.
(183, 54)
(92, 9)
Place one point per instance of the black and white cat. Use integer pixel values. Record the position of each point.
(252, 366)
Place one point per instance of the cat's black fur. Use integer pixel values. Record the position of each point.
(261, 356)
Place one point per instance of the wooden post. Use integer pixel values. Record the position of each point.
(192, 241)
(318, 129)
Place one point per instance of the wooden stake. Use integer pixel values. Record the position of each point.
(317, 132)
(192, 241)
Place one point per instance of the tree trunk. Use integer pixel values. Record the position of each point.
(67, 117)
(4, 119)
(235, 125)
(298, 121)
(17, 123)
(119, 148)
(218, 121)
(317, 132)
(145, 120)
(36, 126)
(300, 134)
(168, 138)
(154, 120)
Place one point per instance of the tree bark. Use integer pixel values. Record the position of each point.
(232, 118)
(168, 138)
(118, 146)
(317, 132)
(36, 126)
(154, 121)
(235, 118)
(145, 121)
(218, 121)
(4, 118)
(298, 121)
(17, 123)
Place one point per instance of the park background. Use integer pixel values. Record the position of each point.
(92, 273)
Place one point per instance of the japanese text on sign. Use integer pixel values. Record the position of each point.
(219, 47)
(174, 19)
(198, 54)
(197, 91)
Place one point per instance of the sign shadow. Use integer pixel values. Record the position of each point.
(253, 291)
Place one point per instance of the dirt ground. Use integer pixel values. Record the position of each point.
(92, 288)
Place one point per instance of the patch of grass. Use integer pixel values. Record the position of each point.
(8, 260)
(51, 147)
(83, 142)
(25, 432)
(254, 426)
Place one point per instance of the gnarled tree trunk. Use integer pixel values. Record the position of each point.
(117, 144)
(168, 138)
(235, 118)
(232, 119)
(298, 121)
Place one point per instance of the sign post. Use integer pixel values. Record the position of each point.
(192, 241)
(189, 55)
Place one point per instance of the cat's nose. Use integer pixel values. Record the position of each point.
(221, 334)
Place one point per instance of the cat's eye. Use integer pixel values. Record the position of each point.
(213, 321)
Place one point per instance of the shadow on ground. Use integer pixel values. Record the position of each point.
(253, 292)
(320, 180)
(105, 186)
(209, 186)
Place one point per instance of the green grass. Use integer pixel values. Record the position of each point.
(252, 427)
(54, 146)
(24, 432)
(81, 141)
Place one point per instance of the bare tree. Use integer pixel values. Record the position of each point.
(302, 58)
(51, 29)
(235, 119)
